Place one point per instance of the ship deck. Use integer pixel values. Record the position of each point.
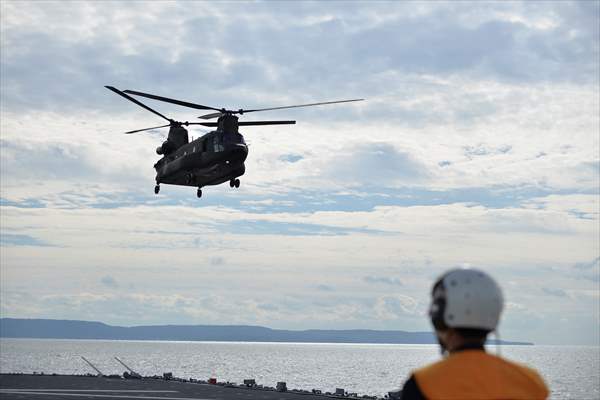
(47, 387)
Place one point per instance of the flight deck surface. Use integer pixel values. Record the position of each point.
(53, 387)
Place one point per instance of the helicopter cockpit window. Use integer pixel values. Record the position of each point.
(218, 144)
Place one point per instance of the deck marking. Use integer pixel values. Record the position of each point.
(103, 396)
(89, 390)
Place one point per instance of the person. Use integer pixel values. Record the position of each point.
(465, 307)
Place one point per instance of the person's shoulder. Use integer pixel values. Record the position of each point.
(529, 372)
(505, 378)
(472, 361)
(432, 369)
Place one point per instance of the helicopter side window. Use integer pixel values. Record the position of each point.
(233, 138)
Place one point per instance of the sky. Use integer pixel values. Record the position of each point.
(477, 146)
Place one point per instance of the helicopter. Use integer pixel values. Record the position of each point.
(212, 159)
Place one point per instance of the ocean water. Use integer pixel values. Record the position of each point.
(572, 372)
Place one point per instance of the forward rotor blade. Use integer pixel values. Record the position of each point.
(200, 123)
(300, 105)
(120, 93)
(173, 101)
(210, 116)
(248, 123)
(147, 129)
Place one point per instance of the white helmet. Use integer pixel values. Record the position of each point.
(466, 298)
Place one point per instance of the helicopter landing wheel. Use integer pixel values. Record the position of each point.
(199, 193)
(156, 189)
(237, 183)
(231, 183)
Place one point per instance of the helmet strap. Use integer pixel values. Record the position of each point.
(443, 348)
(497, 337)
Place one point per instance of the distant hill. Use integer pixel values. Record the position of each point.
(66, 329)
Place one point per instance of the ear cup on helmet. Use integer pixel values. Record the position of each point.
(438, 306)
(437, 317)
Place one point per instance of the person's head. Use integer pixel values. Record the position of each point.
(465, 307)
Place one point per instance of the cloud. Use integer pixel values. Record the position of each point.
(480, 150)
(374, 164)
(267, 203)
(44, 161)
(217, 261)
(585, 206)
(477, 145)
(145, 308)
(325, 288)
(182, 230)
(589, 270)
(557, 292)
(253, 55)
(395, 306)
(595, 263)
(386, 280)
(109, 282)
(520, 318)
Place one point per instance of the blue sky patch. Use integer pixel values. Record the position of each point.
(7, 239)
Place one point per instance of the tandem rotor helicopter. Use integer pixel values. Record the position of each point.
(211, 159)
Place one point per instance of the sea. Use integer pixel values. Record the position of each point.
(571, 372)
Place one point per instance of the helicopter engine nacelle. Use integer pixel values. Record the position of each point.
(166, 148)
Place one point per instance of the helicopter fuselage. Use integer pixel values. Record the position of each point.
(212, 159)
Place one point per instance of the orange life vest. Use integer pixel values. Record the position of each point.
(477, 375)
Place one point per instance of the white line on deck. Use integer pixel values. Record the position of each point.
(88, 390)
(103, 396)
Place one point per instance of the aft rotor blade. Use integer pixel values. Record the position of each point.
(120, 93)
(245, 123)
(300, 105)
(173, 101)
(147, 129)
